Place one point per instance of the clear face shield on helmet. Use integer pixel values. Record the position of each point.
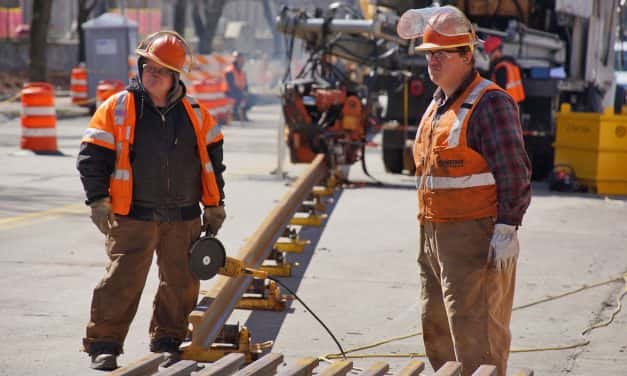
(143, 49)
(440, 27)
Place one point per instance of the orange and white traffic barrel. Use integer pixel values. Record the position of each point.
(39, 118)
(210, 93)
(107, 88)
(78, 85)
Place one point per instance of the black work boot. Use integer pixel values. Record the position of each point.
(104, 362)
(104, 356)
(169, 346)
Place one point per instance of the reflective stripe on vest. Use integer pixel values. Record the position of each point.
(196, 108)
(213, 132)
(445, 182)
(121, 174)
(99, 134)
(119, 113)
(119, 116)
(453, 138)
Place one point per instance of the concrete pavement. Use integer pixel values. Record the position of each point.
(359, 274)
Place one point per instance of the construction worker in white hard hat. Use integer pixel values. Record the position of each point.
(149, 157)
(473, 187)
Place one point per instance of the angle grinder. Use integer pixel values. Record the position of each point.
(208, 258)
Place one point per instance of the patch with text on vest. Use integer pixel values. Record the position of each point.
(450, 163)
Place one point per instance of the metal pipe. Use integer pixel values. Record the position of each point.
(303, 28)
(226, 291)
(315, 25)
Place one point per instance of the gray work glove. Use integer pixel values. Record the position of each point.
(504, 247)
(212, 219)
(102, 215)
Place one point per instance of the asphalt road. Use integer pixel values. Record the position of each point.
(359, 273)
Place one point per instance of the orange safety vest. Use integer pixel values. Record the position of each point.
(113, 127)
(453, 181)
(514, 85)
(238, 75)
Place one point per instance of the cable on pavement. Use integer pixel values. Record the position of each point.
(584, 342)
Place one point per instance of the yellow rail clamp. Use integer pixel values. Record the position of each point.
(276, 265)
(290, 232)
(322, 191)
(312, 220)
(263, 296)
(230, 340)
(319, 205)
(334, 179)
(291, 246)
(316, 204)
(279, 270)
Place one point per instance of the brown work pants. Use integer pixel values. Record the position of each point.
(466, 304)
(130, 248)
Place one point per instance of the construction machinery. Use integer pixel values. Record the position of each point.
(565, 50)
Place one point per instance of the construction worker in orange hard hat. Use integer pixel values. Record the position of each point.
(149, 157)
(504, 70)
(473, 188)
(237, 87)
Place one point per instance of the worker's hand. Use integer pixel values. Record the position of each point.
(504, 246)
(102, 215)
(212, 219)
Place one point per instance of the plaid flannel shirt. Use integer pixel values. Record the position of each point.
(494, 131)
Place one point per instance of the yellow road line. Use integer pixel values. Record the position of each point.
(23, 219)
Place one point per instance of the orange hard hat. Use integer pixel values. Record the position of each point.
(440, 28)
(491, 44)
(166, 48)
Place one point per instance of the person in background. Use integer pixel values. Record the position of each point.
(504, 70)
(237, 87)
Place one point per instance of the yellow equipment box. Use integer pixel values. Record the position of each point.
(595, 146)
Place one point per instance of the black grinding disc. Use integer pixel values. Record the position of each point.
(207, 256)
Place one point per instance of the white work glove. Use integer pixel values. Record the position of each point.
(504, 246)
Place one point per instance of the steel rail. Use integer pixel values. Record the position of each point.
(212, 313)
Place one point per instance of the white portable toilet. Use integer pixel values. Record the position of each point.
(110, 42)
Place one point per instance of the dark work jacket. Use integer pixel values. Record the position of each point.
(167, 183)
